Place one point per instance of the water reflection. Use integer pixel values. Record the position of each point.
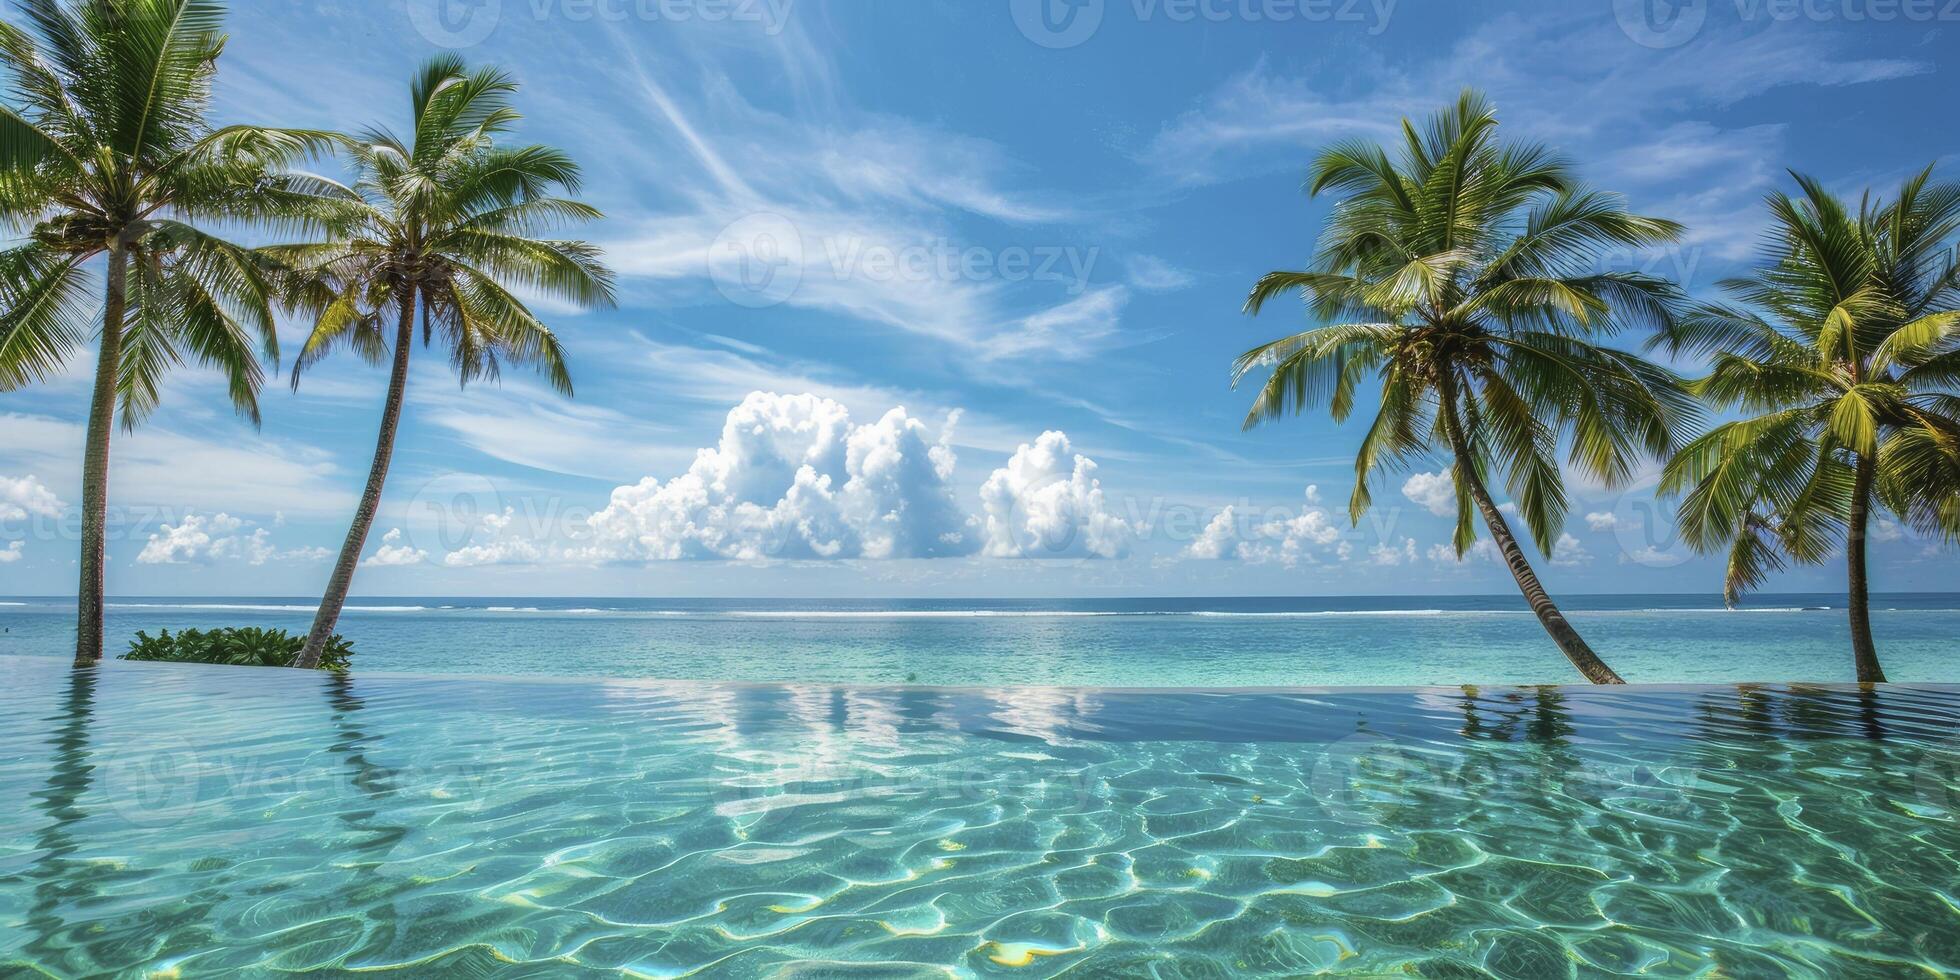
(59, 878)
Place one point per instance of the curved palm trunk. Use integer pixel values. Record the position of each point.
(95, 462)
(1568, 639)
(1863, 651)
(357, 534)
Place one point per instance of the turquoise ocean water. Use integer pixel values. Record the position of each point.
(188, 821)
(1106, 643)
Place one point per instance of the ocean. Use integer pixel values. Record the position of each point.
(1203, 643)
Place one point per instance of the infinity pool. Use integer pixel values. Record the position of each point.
(201, 821)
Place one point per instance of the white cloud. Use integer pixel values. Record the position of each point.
(1388, 554)
(196, 538)
(1483, 549)
(156, 467)
(498, 546)
(875, 224)
(1305, 537)
(1151, 273)
(793, 477)
(1434, 491)
(1573, 81)
(11, 553)
(1567, 552)
(23, 497)
(1047, 503)
(1885, 531)
(1603, 521)
(1220, 538)
(1072, 329)
(201, 539)
(394, 552)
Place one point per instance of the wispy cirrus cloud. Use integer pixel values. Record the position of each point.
(1643, 121)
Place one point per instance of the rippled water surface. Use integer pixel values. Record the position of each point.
(210, 820)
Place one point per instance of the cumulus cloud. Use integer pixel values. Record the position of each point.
(498, 546)
(1390, 555)
(1567, 552)
(1484, 549)
(793, 477)
(395, 552)
(1289, 540)
(1047, 503)
(201, 539)
(1604, 521)
(25, 496)
(1434, 491)
(11, 553)
(1220, 538)
(196, 538)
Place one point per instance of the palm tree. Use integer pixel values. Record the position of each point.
(447, 219)
(1461, 272)
(104, 153)
(1843, 353)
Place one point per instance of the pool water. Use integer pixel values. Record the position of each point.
(1243, 642)
(204, 821)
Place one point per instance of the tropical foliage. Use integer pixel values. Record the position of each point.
(1463, 275)
(105, 154)
(449, 223)
(1843, 352)
(246, 646)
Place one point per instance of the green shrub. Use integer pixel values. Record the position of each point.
(243, 646)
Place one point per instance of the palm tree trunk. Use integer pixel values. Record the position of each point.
(1863, 651)
(1568, 639)
(357, 534)
(95, 461)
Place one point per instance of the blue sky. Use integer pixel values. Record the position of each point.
(1004, 225)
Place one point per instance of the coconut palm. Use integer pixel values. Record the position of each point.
(105, 154)
(1842, 350)
(450, 224)
(1462, 273)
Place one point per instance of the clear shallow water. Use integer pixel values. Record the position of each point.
(210, 820)
(1121, 643)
